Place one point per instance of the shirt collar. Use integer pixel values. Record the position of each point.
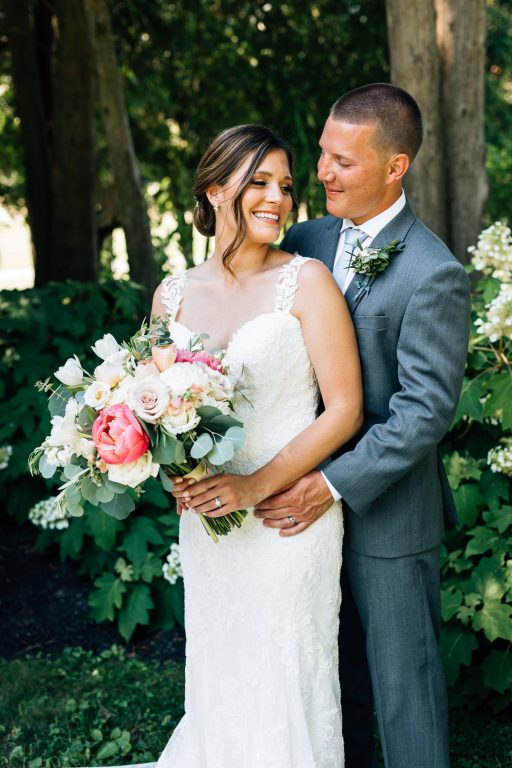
(373, 226)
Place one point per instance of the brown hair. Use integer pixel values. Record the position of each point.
(225, 154)
(395, 112)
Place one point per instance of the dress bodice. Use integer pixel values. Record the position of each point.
(276, 394)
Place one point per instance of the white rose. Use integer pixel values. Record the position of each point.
(134, 473)
(109, 374)
(180, 417)
(97, 395)
(183, 377)
(71, 373)
(120, 393)
(148, 397)
(220, 386)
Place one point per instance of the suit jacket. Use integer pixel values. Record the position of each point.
(412, 328)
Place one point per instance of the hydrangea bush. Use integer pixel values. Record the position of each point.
(477, 561)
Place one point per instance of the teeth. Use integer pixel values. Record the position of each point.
(271, 216)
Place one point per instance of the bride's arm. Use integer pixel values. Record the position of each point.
(331, 344)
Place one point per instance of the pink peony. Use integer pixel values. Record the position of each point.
(118, 436)
(186, 356)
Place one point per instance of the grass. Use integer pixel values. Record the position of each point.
(111, 709)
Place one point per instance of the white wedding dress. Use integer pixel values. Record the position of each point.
(261, 611)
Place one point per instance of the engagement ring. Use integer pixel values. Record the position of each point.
(292, 520)
(218, 502)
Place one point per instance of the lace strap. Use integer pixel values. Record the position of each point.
(172, 293)
(288, 283)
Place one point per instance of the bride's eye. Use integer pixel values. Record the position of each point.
(287, 189)
(258, 182)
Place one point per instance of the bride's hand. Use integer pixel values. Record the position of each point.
(232, 491)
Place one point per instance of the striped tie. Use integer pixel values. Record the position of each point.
(340, 272)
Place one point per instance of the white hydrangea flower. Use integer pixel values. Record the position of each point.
(64, 429)
(171, 569)
(5, 455)
(498, 321)
(50, 513)
(500, 458)
(492, 254)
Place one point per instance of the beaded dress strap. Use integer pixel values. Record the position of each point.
(288, 283)
(172, 293)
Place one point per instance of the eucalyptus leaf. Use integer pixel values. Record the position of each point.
(70, 471)
(164, 451)
(58, 400)
(237, 436)
(46, 469)
(202, 446)
(89, 490)
(166, 482)
(104, 494)
(222, 452)
(120, 506)
(86, 418)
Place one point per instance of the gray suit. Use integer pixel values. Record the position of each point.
(412, 325)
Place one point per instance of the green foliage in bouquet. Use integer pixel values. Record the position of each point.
(476, 637)
(126, 558)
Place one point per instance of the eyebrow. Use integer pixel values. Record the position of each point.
(266, 173)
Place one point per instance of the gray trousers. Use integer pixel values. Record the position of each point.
(391, 609)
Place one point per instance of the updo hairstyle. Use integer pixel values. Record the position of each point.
(225, 154)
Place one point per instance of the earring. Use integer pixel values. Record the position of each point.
(216, 207)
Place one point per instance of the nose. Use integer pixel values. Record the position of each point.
(274, 193)
(324, 169)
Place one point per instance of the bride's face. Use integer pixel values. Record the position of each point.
(266, 201)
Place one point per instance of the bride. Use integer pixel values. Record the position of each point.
(261, 605)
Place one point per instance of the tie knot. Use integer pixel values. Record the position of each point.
(352, 235)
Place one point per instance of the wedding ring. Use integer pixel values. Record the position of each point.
(292, 520)
(218, 502)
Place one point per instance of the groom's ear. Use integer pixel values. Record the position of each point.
(397, 168)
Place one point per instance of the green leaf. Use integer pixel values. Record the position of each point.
(207, 412)
(104, 494)
(164, 452)
(483, 539)
(501, 387)
(497, 669)
(124, 569)
(469, 403)
(488, 579)
(108, 595)
(86, 418)
(467, 500)
(120, 506)
(457, 646)
(135, 611)
(166, 482)
(223, 451)
(151, 567)
(500, 519)
(142, 531)
(494, 487)
(155, 495)
(103, 529)
(74, 500)
(58, 400)
(495, 619)
(451, 600)
(202, 446)
(108, 750)
(70, 471)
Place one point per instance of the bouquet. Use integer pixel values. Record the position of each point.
(148, 410)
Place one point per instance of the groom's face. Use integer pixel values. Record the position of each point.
(353, 171)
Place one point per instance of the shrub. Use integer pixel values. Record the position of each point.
(477, 561)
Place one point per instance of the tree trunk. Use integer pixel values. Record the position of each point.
(34, 134)
(415, 67)
(75, 253)
(461, 26)
(132, 206)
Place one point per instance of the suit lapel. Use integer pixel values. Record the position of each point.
(397, 229)
(326, 246)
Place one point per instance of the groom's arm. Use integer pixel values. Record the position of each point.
(431, 354)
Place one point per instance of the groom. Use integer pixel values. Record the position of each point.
(411, 321)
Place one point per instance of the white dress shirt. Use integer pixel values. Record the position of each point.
(371, 229)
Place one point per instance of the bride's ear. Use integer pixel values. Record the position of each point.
(215, 195)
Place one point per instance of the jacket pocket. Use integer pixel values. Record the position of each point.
(371, 322)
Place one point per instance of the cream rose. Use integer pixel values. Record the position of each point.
(134, 473)
(148, 397)
(181, 416)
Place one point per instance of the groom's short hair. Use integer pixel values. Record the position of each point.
(393, 110)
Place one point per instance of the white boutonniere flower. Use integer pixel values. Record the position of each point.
(371, 261)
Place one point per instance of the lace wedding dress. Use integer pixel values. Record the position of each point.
(261, 610)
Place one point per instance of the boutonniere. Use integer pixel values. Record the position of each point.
(371, 261)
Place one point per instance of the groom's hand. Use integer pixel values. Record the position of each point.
(305, 501)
